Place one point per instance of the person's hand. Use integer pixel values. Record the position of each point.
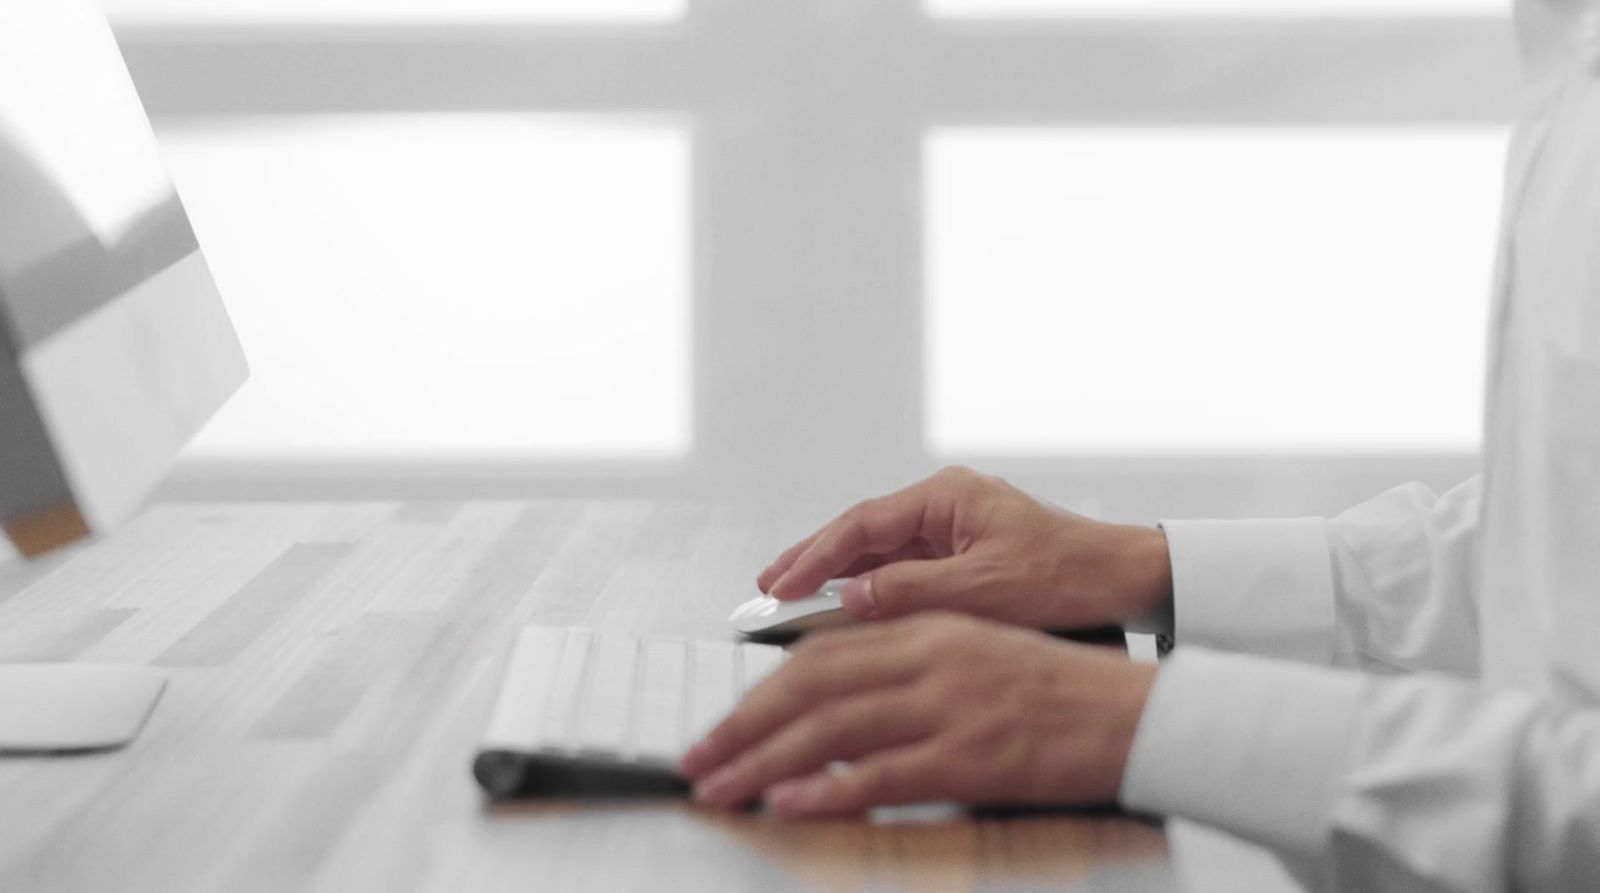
(971, 543)
(936, 707)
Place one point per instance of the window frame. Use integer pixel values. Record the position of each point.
(808, 120)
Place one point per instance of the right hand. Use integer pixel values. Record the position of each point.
(971, 543)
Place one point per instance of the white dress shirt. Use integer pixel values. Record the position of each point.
(1407, 696)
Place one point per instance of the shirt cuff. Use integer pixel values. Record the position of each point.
(1262, 761)
(1260, 587)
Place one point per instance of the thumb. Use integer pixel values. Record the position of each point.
(906, 587)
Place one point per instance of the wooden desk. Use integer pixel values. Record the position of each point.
(332, 668)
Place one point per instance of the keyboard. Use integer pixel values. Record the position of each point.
(586, 712)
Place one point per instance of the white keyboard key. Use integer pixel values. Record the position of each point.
(567, 692)
(609, 703)
(715, 689)
(519, 710)
(659, 708)
(759, 662)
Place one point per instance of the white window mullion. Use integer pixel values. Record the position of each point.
(1216, 72)
(810, 332)
(298, 71)
(749, 274)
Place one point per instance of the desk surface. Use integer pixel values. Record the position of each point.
(332, 668)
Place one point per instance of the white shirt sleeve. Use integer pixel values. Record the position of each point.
(1260, 587)
(1367, 783)
(1388, 585)
(1359, 782)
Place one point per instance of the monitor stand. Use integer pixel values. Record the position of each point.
(54, 708)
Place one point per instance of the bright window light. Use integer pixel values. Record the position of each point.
(1193, 290)
(457, 285)
(183, 12)
(1152, 8)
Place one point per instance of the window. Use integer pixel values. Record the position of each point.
(833, 229)
(476, 310)
(1082, 281)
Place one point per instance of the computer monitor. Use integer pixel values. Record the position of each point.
(115, 347)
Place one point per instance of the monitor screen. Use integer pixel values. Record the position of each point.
(114, 344)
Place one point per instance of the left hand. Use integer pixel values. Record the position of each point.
(934, 707)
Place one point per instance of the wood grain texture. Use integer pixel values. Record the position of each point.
(332, 671)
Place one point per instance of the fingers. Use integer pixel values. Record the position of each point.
(875, 527)
(825, 668)
(784, 562)
(840, 730)
(905, 587)
(911, 774)
(916, 551)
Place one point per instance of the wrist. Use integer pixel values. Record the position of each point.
(1146, 574)
(1131, 702)
(1116, 713)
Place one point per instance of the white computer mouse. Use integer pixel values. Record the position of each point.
(765, 616)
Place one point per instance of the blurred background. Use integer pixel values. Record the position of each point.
(1144, 257)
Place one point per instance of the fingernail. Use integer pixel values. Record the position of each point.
(858, 599)
(790, 797)
(718, 789)
(696, 759)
